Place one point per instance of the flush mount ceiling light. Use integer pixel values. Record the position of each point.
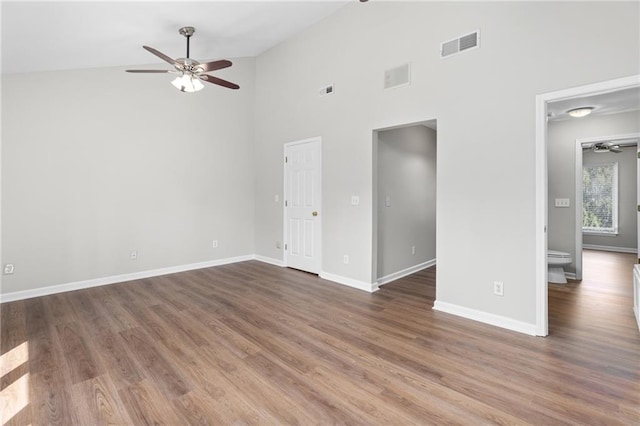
(191, 73)
(580, 112)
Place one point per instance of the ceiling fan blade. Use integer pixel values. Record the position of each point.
(615, 149)
(215, 65)
(161, 55)
(148, 71)
(219, 81)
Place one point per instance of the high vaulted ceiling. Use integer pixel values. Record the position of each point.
(53, 35)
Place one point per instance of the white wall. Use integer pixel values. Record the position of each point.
(484, 101)
(627, 160)
(561, 147)
(99, 162)
(407, 176)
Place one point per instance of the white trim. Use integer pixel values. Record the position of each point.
(578, 212)
(636, 294)
(541, 187)
(360, 285)
(610, 248)
(269, 260)
(79, 285)
(487, 318)
(405, 272)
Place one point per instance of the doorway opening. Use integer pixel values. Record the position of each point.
(404, 200)
(623, 236)
(543, 102)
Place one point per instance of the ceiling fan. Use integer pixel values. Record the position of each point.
(606, 147)
(191, 73)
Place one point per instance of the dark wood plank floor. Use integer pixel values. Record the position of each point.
(251, 343)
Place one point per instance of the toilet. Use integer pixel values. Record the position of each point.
(557, 260)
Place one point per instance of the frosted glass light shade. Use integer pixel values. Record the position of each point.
(580, 112)
(187, 83)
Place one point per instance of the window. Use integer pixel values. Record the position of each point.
(600, 198)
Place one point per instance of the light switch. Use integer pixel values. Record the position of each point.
(563, 202)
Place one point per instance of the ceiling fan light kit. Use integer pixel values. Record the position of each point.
(191, 73)
(187, 83)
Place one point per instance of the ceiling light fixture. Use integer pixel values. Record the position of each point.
(580, 112)
(187, 83)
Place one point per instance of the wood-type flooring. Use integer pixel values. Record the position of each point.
(251, 343)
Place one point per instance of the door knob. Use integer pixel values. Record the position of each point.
(314, 213)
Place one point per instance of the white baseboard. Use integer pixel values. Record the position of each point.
(610, 248)
(78, 285)
(360, 285)
(405, 272)
(269, 260)
(485, 317)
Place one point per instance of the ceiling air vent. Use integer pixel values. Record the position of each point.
(398, 76)
(460, 44)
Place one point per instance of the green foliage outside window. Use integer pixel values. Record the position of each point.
(599, 183)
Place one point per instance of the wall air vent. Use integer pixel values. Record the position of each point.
(460, 44)
(398, 76)
(326, 90)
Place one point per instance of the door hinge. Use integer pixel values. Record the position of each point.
(285, 246)
(286, 159)
(286, 203)
(638, 154)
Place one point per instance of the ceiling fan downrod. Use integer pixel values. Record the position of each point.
(187, 32)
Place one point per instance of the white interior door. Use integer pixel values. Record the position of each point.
(302, 213)
(638, 196)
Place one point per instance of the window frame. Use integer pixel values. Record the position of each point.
(614, 230)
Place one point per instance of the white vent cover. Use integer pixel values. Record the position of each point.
(326, 90)
(398, 76)
(460, 44)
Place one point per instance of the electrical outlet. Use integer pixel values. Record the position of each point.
(498, 288)
(214, 244)
(8, 268)
(133, 255)
(563, 202)
(276, 198)
(345, 259)
(413, 250)
(355, 200)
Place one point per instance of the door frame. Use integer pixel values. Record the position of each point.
(630, 139)
(374, 189)
(285, 229)
(541, 183)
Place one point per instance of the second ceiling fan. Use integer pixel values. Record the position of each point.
(191, 73)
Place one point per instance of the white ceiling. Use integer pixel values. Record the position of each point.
(53, 35)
